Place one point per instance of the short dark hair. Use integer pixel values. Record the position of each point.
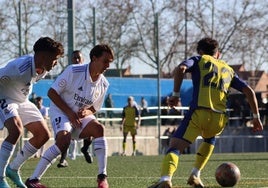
(76, 51)
(39, 98)
(98, 50)
(49, 45)
(207, 46)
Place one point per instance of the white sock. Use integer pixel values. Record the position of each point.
(73, 148)
(100, 149)
(165, 178)
(6, 152)
(46, 161)
(27, 151)
(196, 172)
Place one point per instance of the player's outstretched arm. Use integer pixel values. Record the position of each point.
(253, 103)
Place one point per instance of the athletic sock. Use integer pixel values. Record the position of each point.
(46, 161)
(169, 164)
(6, 152)
(134, 146)
(203, 154)
(27, 151)
(124, 146)
(100, 149)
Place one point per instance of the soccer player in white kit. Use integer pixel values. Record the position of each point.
(16, 111)
(76, 95)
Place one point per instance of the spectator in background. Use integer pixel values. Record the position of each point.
(144, 108)
(129, 123)
(33, 98)
(236, 113)
(164, 110)
(165, 141)
(41, 107)
(109, 103)
(175, 112)
(44, 112)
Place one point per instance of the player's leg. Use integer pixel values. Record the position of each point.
(213, 123)
(62, 143)
(182, 138)
(73, 149)
(63, 163)
(34, 122)
(133, 135)
(62, 129)
(86, 143)
(203, 154)
(40, 136)
(15, 130)
(124, 143)
(95, 129)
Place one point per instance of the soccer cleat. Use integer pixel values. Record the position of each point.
(102, 181)
(63, 164)
(87, 155)
(15, 177)
(34, 183)
(195, 181)
(4, 184)
(134, 153)
(162, 184)
(123, 154)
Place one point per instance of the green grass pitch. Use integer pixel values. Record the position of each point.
(142, 171)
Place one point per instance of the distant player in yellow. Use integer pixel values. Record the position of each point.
(130, 124)
(212, 78)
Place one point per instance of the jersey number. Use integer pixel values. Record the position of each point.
(3, 103)
(223, 81)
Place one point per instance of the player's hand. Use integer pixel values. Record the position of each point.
(257, 125)
(173, 101)
(75, 120)
(83, 112)
(121, 127)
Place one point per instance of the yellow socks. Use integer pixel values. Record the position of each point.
(202, 156)
(170, 164)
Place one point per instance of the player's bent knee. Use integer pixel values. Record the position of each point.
(98, 130)
(211, 140)
(63, 142)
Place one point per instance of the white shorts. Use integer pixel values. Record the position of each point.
(62, 123)
(27, 111)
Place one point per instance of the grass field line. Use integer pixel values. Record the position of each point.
(136, 177)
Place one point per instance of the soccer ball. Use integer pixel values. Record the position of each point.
(227, 174)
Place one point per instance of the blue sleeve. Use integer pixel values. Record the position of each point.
(238, 83)
(191, 62)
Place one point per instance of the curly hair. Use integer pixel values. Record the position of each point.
(207, 46)
(49, 45)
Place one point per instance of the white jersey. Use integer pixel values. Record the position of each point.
(17, 78)
(77, 89)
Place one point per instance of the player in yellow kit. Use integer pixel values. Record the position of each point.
(129, 124)
(212, 78)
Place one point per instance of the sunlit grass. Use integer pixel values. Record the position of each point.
(142, 171)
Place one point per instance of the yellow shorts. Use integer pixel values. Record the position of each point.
(201, 122)
(131, 129)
